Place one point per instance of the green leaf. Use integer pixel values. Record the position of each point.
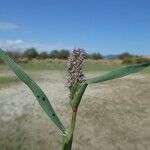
(39, 94)
(118, 73)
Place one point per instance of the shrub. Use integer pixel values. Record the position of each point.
(54, 54)
(96, 56)
(141, 60)
(125, 55)
(31, 53)
(63, 54)
(44, 55)
(14, 54)
(135, 60)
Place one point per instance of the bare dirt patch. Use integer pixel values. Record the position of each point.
(114, 115)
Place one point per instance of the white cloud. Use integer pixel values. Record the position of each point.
(10, 42)
(22, 45)
(8, 26)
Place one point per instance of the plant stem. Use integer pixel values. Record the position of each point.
(67, 139)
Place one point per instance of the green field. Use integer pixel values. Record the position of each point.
(58, 67)
(5, 80)
(62, 67)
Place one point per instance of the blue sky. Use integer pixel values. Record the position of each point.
(105, 26)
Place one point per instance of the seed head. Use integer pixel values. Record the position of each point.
(75, 68)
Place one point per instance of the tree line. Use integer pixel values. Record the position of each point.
(31, 53)
(132, 59)
(54, 54)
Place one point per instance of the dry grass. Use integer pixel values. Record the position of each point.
(87, 61)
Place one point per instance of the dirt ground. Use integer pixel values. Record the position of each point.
(113, 115)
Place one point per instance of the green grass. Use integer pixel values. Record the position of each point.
(92, 67)
(147, 70)
(98, 67)
(59, 67)
(62, 67)
(5, 80)
(38, 67)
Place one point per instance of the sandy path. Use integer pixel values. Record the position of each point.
(114, 115)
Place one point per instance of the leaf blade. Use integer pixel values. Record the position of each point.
(38, 93)
(118, 73)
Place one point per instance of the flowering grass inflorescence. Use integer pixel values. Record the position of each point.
(75, 67)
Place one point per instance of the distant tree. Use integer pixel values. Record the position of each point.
(125, 55)
(31, 53)
(96, 56)
(54, 54)
(63, 54)
(14, 54)
(44, 55)
(135, 60)
(141, 59)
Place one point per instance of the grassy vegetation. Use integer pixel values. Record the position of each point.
(89, 67)
(3, 67)
(38, 67)
(147, 70)
(5, 80)
(99, 67)
(61, 67)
